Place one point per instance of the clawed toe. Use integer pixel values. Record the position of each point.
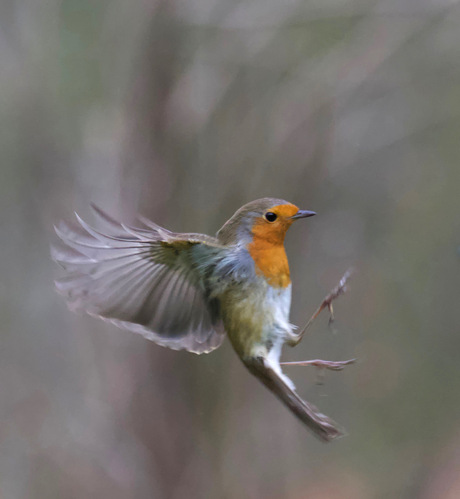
(322, 364)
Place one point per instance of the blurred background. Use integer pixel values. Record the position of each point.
(184, 110)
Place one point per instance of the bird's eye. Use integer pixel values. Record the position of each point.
(270, 216)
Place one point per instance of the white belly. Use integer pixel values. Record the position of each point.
(276, 306)
(280, 302)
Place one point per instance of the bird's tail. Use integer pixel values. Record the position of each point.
(322, 426)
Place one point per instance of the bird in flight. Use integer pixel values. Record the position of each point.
(187, 290)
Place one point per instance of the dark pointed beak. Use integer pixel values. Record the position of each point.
(303, 214)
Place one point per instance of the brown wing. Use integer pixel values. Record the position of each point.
(323, 427)
(150, 281)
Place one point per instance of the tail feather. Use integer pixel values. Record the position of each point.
(322, 426)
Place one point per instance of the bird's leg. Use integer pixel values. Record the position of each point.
(327, 302)
(322, 364)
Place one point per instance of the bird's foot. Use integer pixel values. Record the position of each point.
(321, 364)
(340, 289)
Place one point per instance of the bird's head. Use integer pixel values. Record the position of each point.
(266, 219)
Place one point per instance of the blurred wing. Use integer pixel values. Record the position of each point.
(146, 280)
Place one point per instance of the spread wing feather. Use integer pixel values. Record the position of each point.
(151, 281)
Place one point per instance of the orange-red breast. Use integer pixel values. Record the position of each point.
(185, 291)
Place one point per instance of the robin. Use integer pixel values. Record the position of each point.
(186, 291)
